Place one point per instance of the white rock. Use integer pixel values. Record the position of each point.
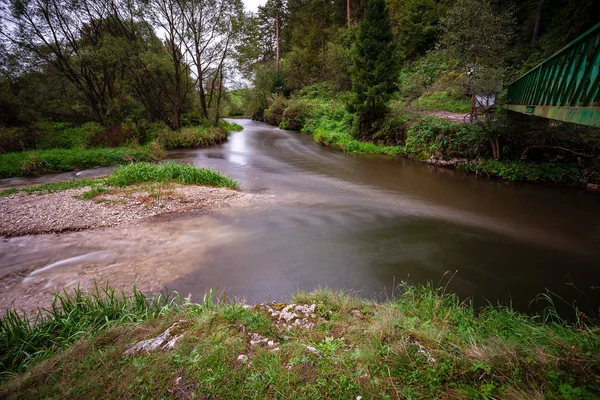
(315, 351)
(164, 341)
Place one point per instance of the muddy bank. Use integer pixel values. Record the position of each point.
(65, 211)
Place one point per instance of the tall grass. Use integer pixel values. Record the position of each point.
(194, 136)
(132, 174)
(168, 172)
(24, 341)
(58, 160)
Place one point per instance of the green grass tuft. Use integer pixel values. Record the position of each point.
(186, 174)
(74, 315)
(133, 174)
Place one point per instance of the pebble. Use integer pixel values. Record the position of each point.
(59, 212)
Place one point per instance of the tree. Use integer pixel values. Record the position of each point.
(375, 67)
(477, 35)
(417, 24)
(211, 29)
(176, 84)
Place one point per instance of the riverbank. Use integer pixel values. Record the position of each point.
(422, 344)
(35, 162)
(532, 150)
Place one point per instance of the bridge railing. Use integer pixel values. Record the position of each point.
(565, 86)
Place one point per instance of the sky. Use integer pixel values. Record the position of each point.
(252, 5)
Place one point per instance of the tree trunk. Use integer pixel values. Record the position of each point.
(277, 47)
(495, 144)
(277, 41)
(219, 94)
(348, 12)
(538, 23)
(203, 106)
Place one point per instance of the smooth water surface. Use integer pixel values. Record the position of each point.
(362, 223)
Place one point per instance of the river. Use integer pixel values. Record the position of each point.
(359, 223)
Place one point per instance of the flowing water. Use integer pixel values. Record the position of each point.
(361, 223)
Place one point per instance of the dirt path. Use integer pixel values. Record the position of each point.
(447, 115)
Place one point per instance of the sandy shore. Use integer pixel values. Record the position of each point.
(23, 214)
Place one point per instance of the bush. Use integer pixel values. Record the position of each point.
(435, 136)
(274, 114)
(324, 90)
(393, 131)
(196, 136)
(12, 139)
(515, 171)
(295, 115)
(61, 135)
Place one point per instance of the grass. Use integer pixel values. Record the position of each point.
(59, 160)
(52, 187)
(185, 174)
(133, 174)
(519, 171)
(62, 159)
(72, 316)
(420, 138)
(443, 101)
(423, 344)
(196, 136)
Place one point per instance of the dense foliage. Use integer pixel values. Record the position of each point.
(452, 50)
(95, 73)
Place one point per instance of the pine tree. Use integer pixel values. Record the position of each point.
(375, 67)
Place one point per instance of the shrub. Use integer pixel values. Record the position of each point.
(516, 171)
(393, 131)
(196, 136)
(274, 114)
(12, 139)
(435, 136)
(324, 90)
(294, 116)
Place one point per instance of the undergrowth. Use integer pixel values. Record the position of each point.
(425, 343)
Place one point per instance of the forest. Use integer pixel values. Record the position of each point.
(96, 74)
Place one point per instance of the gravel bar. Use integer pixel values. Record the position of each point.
(23, 214)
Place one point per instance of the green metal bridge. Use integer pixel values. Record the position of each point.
(566, 86)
